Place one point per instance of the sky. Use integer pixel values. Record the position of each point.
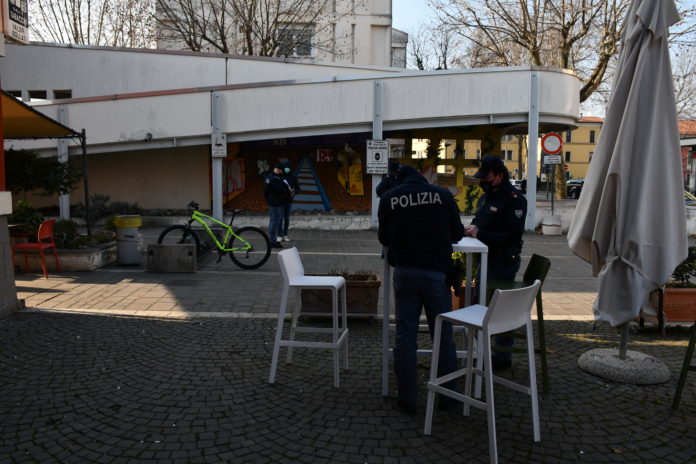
(408, 14)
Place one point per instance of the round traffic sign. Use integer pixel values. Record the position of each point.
(552, 143)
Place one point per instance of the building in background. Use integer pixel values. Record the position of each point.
(687, 134)
(341, 31)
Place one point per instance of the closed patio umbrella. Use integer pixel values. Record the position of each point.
(630, 221)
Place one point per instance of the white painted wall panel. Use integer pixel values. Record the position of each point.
(454, 95)
(297, 106)
(131, 119)
(559, 93)
(260, 71)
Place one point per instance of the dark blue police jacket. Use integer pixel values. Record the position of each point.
(418, 222)
(500, 217)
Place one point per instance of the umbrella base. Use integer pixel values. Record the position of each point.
(637, 368)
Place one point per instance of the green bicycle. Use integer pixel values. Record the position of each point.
(249, 247)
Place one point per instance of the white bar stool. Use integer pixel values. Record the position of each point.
(509, 309)
(294, 277)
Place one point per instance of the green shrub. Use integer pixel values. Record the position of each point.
(355, 274)
(683, 275)
(28, 218)
(65, 232)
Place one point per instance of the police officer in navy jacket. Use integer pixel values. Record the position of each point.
(418, 223)
(499, 223)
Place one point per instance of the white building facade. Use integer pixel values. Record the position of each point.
(343, 31)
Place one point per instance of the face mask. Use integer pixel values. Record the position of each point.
(287, 170)
(486, 185)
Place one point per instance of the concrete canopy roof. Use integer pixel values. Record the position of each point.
(283, 109)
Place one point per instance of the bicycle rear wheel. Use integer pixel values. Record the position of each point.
(258, 252)
(178, 235)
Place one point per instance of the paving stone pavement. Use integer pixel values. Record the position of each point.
(222, 288)
(177, 372)
(81, 388)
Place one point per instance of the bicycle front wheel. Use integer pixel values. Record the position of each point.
(178, 235)
(253, 255)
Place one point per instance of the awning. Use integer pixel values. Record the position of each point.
(21, 121)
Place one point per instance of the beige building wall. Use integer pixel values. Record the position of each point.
(579, 146)
(129, 177)
(183, 172)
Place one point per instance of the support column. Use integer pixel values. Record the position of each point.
(63, 199)
(532, 150)
(216, 132)
(376, 135)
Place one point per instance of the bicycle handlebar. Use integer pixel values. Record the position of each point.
(193, 205)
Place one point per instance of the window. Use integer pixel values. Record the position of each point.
(507, 138)
(447, 148)
(37, 95)
(567, 157)
(507, 155)
(15, 93)
(592, 136)
(295, 40)
(569, 136)
(590, 158)
(60, 94)
(478, 153)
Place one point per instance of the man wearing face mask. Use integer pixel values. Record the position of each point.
(277, 194)
(499, 224)
(294, 187)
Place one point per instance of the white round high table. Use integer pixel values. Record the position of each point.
(467, 245)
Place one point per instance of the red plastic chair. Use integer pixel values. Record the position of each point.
(44, 241)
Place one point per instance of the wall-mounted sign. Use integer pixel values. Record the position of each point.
(16, 20)
(377, 156)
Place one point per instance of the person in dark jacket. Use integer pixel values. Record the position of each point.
(418, 223)
(499, 224)
(277, 194)
(389, 179)
(294, 187)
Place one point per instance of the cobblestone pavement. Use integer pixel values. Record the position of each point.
(79, 388)
(219, 289)
(177, 372)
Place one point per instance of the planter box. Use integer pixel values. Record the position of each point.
(680, 305)
(458, 301)
(361, 299)
(70, 260)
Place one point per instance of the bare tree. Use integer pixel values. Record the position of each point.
(252, 27)
(434, 47)
(684, 71)
(580, 35)
(116, 23)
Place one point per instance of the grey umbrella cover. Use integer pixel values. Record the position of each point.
(630, 222)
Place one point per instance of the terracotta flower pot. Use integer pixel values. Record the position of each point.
(680, 304)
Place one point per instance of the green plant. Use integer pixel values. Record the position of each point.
(26, 171)
(28, 217)
(684, 274)
(64, 232)
(459, 267)
(110, 223)
(355, 274)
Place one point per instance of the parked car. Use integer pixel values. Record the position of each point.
(689, 199)
(519, 184)
(574, 187)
